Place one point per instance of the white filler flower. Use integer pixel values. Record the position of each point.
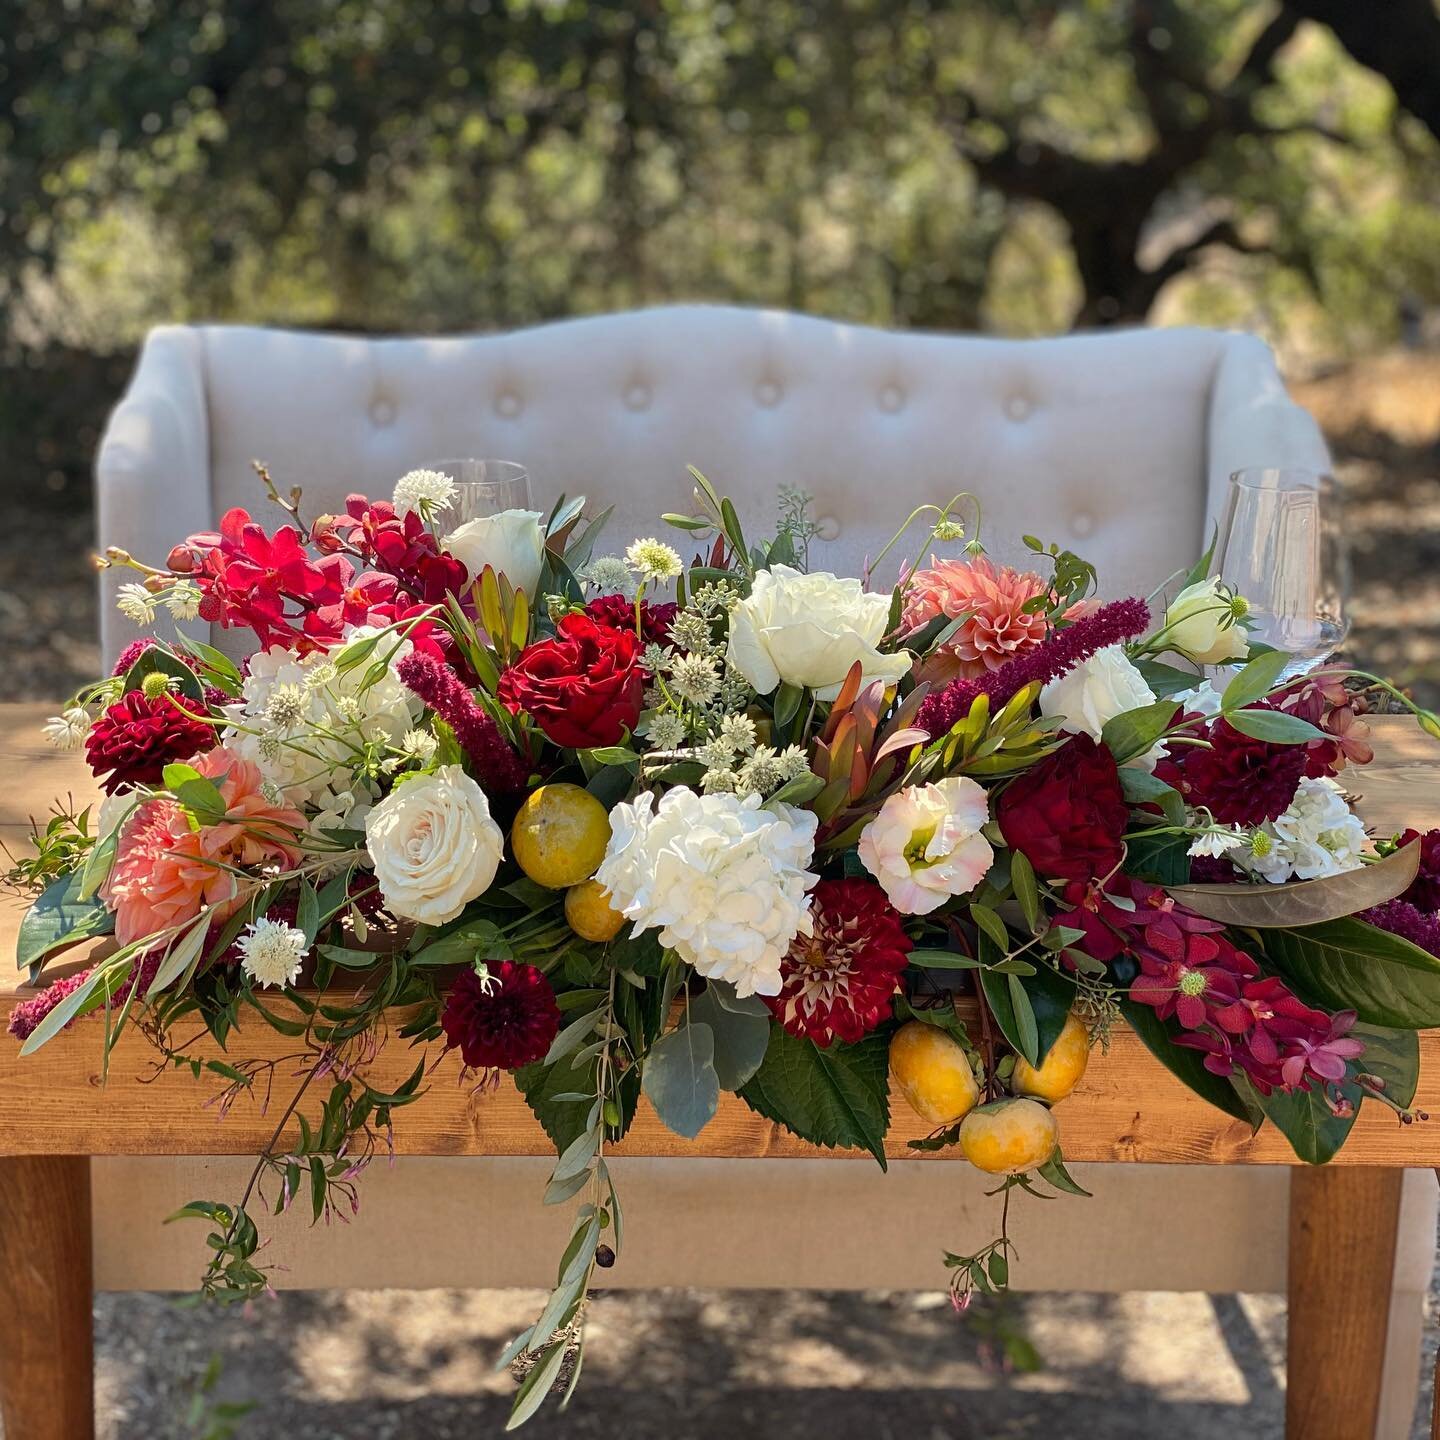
(271, 952)
(809, 630)
(434, 846)
(67, 731)
(723, 880)
(423, 490)
(925, 844)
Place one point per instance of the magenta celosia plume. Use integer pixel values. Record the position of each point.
(1052, 658)
(498, 769)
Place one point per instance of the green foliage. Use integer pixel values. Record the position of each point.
(1187, 1066)
(833, 1097)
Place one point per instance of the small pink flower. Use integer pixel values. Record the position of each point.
(997, 627)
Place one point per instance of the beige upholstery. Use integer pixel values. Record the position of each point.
(1117, 445)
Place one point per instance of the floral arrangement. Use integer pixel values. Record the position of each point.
(621, 826)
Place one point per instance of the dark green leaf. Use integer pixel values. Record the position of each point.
(1159, 858)
(1132, 733)
(1350, 965)
(833, 1097)
(1305, 1119)
(1274, 726)
(1254, 681)
(1166, 680)
(1140, 787)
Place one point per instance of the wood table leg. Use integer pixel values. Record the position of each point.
(47, 1362)
(1343, 1223)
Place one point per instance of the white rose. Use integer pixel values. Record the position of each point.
(1097, 690)
(1204, 699)
(511, 543)
(434, 846)
(1200, 624)
(809, 630)
(925, 845)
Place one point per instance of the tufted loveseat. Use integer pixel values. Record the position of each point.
(1117, 445)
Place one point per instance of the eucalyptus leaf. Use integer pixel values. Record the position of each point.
(741, 1037)
(680, 1080)
(59, 917)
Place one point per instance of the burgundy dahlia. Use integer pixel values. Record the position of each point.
(136, 738)
(619, 613)
(502, 1020)
(1240, 780)
(837, 984)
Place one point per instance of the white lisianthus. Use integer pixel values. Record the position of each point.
(723, 880)
(925, 845)
(1097, 690)
(1200, 625)
(1204, 699)
(511, 543)
(1317, 836)
(434, 846)
(809, 630)
(1220, 842)
(271, 952)
(301, 719)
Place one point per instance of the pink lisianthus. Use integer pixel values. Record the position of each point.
(998, 627)
(165, 873)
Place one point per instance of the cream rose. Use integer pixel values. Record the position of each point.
(511, 543)
(925, 845)
(1200, 625)
(809, 630)
(434, 846)
(1096, 690)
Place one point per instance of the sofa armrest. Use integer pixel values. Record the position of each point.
(1253, 421)
(152, 471)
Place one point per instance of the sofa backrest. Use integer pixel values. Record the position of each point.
(1107, 443)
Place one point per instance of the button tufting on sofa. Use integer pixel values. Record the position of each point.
(637, 397)
(1082, 523)
(767, 393)
(827, 527)
(382, 412)
(1018, 408)
(892, 399)
(507, 405)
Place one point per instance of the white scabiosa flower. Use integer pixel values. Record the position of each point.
(654, 561)
(271, 952)
(925, 845)
(425, 491)
(434, 845)
(135, 603)
(182, 600)
(724, 881)
(67, 730)
(1318, 835)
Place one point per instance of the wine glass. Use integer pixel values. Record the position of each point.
(1282, 547)
(485, 487)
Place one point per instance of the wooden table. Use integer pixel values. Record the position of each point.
(55, 1114)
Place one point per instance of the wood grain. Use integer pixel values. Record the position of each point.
(1127, 1109)
(1342, 1256)
(46, 1357)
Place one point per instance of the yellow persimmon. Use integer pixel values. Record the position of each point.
(1008, 1137)
(589, 913)
(932, 1071)
(1060, 1071)
(559, 836)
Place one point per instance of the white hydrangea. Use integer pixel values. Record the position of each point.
(67, 730)
(423, 491)
(1317, 836)
(724, 881)
(300, 718)
(271, 952)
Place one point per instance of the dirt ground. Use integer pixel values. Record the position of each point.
(692, 1365)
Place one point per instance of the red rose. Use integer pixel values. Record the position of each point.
(1066, 815)
(583, 688)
